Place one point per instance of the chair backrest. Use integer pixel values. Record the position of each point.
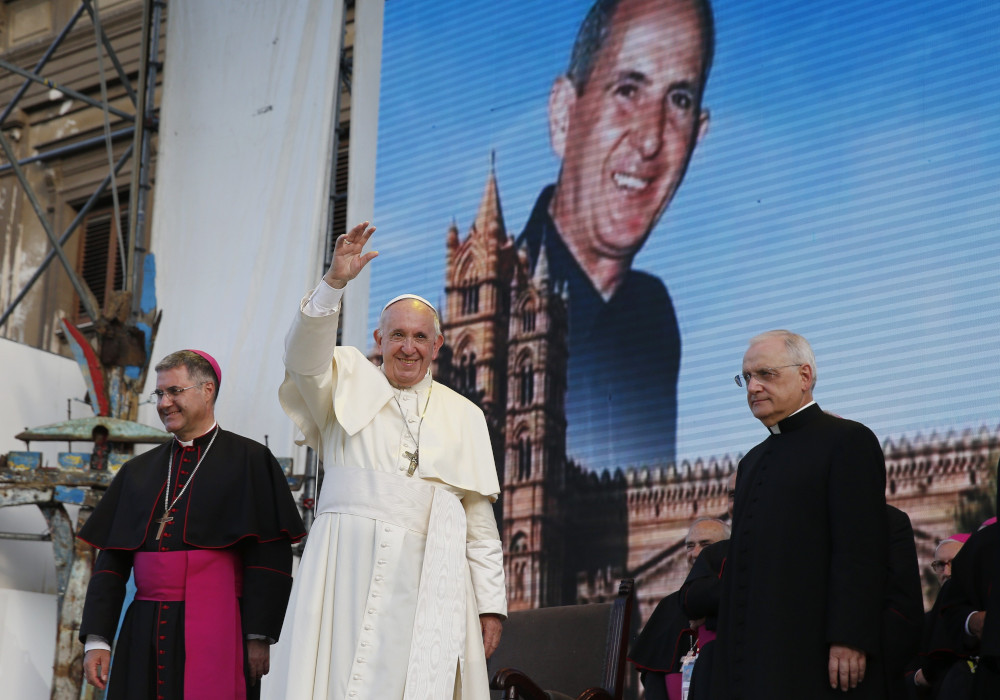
(570, 648)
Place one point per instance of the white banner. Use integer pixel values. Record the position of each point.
(241, 190)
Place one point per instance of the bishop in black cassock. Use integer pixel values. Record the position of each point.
(974, 592)
(804, 582)
(209, 492)
(669, 634)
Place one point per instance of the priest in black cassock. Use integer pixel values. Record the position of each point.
(206, 523)
(804, 582)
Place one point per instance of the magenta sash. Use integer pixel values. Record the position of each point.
(209, 582)
(674, 683)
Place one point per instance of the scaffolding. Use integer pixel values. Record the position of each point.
(141, 127)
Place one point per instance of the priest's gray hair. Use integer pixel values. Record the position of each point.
(799, 350)
(706, 519)
(197, 368)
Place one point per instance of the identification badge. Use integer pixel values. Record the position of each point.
(687, 668)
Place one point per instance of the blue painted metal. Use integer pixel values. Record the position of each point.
(47, 479)
(74, 460)
(147, 305)
(148, 300)
(24, 460)
(74, 496)
(116, 460)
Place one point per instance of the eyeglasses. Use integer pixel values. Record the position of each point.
(689, 546)
(171, 391)
(938, 566)
(764, 376)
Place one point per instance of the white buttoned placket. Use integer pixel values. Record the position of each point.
(388, 547)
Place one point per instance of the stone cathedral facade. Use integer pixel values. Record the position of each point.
(569, 535)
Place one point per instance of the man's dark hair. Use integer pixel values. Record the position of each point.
(197, 367)
(596, 28)
(99, 430)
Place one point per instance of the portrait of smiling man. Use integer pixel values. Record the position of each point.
(624, 119)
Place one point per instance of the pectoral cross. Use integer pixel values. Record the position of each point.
(163, 523)
(414, 458)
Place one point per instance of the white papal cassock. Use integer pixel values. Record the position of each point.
(397, 569)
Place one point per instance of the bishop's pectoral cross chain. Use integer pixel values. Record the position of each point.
(167, 505)
(414, 456)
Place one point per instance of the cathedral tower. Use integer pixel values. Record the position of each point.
(478, 274)
(534, 478)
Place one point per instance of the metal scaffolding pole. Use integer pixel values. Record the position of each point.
(69, 92)
(41, 63)
(70, 230)
(71, 149)
(149, 65)
(122, 76)
(86, 297)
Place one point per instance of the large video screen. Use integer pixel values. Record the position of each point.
(836, 174)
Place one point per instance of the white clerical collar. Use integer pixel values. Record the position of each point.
(188, 443)
(418, 387)
(775, 430)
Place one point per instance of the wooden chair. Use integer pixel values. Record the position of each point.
(571, 652)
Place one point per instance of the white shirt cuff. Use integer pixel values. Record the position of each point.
(323, 301)
(967, 623)
(96, 642)
(486, 567)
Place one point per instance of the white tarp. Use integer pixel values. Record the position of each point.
(35, 388)
(27, 644)
(241, 190)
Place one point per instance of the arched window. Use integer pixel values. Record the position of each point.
(527, 382)
(470, 299)
(527, 321)
(460, 373)
(524, 458)
(519, 545)
(470, 373)
(465, 372)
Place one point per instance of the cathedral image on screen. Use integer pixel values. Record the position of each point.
(569, 533)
